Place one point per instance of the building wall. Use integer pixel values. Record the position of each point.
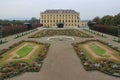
(51, 19)
(84, 24)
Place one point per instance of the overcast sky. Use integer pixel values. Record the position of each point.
(88, 9)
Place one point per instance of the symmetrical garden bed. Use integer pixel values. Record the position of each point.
(98, 55)
(67, 32)
(25, 56)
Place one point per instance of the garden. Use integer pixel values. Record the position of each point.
(25, 56)
(98, 55)
(67, 32)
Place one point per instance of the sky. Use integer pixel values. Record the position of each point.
(88, 9)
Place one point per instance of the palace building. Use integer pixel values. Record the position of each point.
(50, 18)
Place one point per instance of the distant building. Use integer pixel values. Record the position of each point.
(50, 18)
(84, 23)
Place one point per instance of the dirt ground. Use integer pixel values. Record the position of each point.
(108, 52)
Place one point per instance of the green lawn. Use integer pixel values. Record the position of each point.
(87, 53)
(98, 50)
(25, 51)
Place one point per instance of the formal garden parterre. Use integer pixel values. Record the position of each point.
(67, 32)
(28, 56)
(24, 56)
(98, 55)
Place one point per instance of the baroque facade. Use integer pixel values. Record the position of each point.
(70, 18)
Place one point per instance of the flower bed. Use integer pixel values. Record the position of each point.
(68, 32)
(104, 65)
(14, 68)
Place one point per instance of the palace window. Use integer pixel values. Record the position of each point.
(72, 20)
(45, 21)
(69, 20)
(75, 20)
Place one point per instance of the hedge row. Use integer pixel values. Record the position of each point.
(10, 30)
(112, 30)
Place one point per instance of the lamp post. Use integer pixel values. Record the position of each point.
(118, 33)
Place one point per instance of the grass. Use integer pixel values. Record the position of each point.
(25, 51)
(33, 57)
(5, 55)
(98, 50)
(87, 53)
(35, 54)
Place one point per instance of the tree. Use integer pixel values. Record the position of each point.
(34, 20)
(89, 23)
(116, 20)
(107, 20)
(17, 22)
(5, 22)
(97, 20)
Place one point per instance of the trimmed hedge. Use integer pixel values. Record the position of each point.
(112, 30)
(10, 30)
